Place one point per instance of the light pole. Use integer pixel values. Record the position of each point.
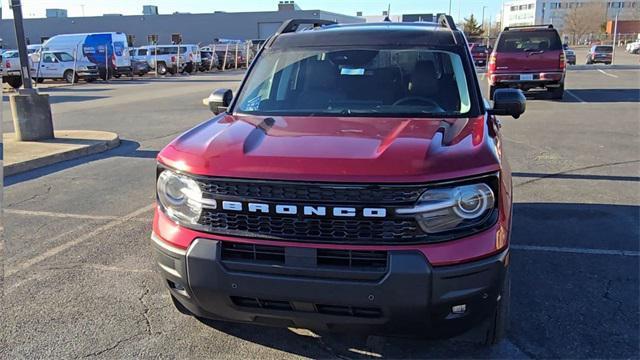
(615, 33)
(483, 7)
(450, 7)
(31, 111)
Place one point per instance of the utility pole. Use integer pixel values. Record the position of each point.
(615, 35)
(31, 111)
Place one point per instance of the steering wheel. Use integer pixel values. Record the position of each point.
(416, 99)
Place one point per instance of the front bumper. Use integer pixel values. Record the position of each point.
(407, 296)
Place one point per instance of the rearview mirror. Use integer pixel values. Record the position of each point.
(508, 102)
(219, 100)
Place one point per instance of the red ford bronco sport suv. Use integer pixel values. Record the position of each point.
(528, 57)
(356, 182)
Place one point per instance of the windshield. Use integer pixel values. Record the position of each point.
(304, 81)
(604, 49)
(479, 48)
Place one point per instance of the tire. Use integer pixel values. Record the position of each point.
(40, 80)
(183, 310)
(162, 69)
(502, 316)
(70, 77)
(556, 93)
(14, 81)
(117, 76)
(495, 326)
(492, 90)
(608, 63)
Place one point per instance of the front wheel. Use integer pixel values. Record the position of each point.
(14, 81)
(162, 69)
(70, 77)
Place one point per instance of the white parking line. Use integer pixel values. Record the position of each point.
(606, 73)
(90, 235)
(576, 250)
(575, 96)
(62, 215)
(58, 215)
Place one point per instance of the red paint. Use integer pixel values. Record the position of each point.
(366, 150)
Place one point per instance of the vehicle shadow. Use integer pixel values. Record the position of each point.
(59, 99)
(602, 95)
(127, 148)
(547, 288)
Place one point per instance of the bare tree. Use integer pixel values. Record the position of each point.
(584, 18)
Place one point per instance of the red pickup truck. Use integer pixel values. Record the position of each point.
(345, 188)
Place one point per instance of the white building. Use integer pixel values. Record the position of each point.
(537, 12)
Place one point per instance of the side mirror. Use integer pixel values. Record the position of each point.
(219, 100)
(508, 102)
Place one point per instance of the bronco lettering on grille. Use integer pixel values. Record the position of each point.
(305, 210)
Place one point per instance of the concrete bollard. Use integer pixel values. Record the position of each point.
(32, 118)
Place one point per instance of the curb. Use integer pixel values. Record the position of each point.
(24, 166)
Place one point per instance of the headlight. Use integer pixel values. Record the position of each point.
(180, 196)
(453, 208)
(83, 68)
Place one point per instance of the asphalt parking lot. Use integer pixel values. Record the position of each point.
(80, 281)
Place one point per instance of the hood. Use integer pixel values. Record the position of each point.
(337, 149)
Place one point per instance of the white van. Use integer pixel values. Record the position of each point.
(102, 49)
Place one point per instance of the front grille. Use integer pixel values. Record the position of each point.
(325, 258)
(352, 259)
(252, 253)
(310, 192)
(339, 310)
(313, 230)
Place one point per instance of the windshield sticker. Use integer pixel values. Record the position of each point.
(349, 71)
(253, 104)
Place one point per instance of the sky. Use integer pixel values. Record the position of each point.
(459, 8)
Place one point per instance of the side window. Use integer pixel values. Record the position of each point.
(48, 58)
(142, 52)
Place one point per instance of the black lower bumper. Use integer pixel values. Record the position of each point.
(407, 296)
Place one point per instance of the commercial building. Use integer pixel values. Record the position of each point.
(194, 28)
(536, 12)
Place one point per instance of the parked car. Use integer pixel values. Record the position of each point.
(107, 50)
(61, 65)
(357, 182)
(140, 67)
(633, 47)
(11, 68)
(600, 54)
(231, 58)
(479, 53)
(528, 57)
(569, 55)
(209, 61)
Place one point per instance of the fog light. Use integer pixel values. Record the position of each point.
(459, 309)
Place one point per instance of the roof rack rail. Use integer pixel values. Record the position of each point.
(447, 21)
(546, 26)
(292, 25)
